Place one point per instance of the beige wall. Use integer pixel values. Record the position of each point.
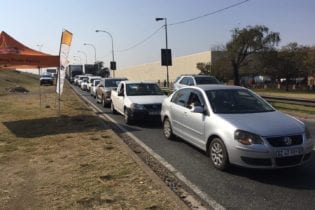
(154, 71)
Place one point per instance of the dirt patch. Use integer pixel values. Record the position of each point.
(17, 89)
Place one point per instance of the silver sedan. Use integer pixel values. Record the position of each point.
(235, 126)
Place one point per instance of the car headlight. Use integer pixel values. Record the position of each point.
(137, 106)
(308, 134)
(247, 138)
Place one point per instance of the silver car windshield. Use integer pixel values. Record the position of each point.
(206, 80)
(236, 101)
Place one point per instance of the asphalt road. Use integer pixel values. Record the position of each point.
(237, 189)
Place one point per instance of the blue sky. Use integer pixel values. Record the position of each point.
(36, 22)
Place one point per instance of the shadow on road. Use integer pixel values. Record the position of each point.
(149, 123)
(54, 125)
(300, 177)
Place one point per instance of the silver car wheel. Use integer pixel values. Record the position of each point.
(218, 154)
(167, 129)
(127, 117)
(112, 108)
(103, 102)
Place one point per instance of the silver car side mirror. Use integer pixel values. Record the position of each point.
(198, 109)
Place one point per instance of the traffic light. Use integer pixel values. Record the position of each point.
(166, 57)
(113, 65)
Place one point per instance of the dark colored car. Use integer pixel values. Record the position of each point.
(46, 80)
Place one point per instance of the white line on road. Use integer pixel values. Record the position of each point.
(210, 201)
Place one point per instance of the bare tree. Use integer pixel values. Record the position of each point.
(248, 41)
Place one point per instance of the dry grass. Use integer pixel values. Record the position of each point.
(296, 110)
(67, 161)
(301, 95)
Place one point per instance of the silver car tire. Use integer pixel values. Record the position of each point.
(127, 117)
(112, 108)
(218, 154)
(103, 102)
(167, 129)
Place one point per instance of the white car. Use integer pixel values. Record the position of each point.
(137, 100)
(90, 81)
(193, 80)
(94, 86)
(83, 83)
(77, 78)
(236, 126)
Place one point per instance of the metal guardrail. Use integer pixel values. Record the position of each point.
(297, 101)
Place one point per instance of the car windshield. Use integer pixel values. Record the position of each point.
(139, 89)
(112, 82)
(206, 80)
(236, 101)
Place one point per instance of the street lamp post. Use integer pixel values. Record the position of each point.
(166, 40)
(40, 47)
(79, 51)
(113, 63)
(93, 48)
(80, 60)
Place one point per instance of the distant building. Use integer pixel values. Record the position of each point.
(155, 72)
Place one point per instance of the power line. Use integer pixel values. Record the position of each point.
(181, 22)
(208, 14)
(141, 42)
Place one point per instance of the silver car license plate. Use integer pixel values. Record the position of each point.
(289, 152)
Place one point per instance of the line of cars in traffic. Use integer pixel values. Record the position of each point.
(232, 124)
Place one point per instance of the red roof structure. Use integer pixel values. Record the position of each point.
(14, 54)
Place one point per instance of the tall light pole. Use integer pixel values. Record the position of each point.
(80, 60)
(112, 63)
(167, 53)
(79, 51)
(88, 44)
(40, 47)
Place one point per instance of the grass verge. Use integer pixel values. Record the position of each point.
(287, 94)
(67, 161)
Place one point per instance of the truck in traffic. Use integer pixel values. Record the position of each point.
(72, 71)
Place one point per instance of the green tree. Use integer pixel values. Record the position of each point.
(248, 41)
(205, 68)
(288, 63)
(221, 67)
(101, 70)
(310, 60)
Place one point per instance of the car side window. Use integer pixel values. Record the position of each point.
(121, 88)
(190, 81)
(181, 97)
(195, 99)
(177, 79)
(183, 81)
